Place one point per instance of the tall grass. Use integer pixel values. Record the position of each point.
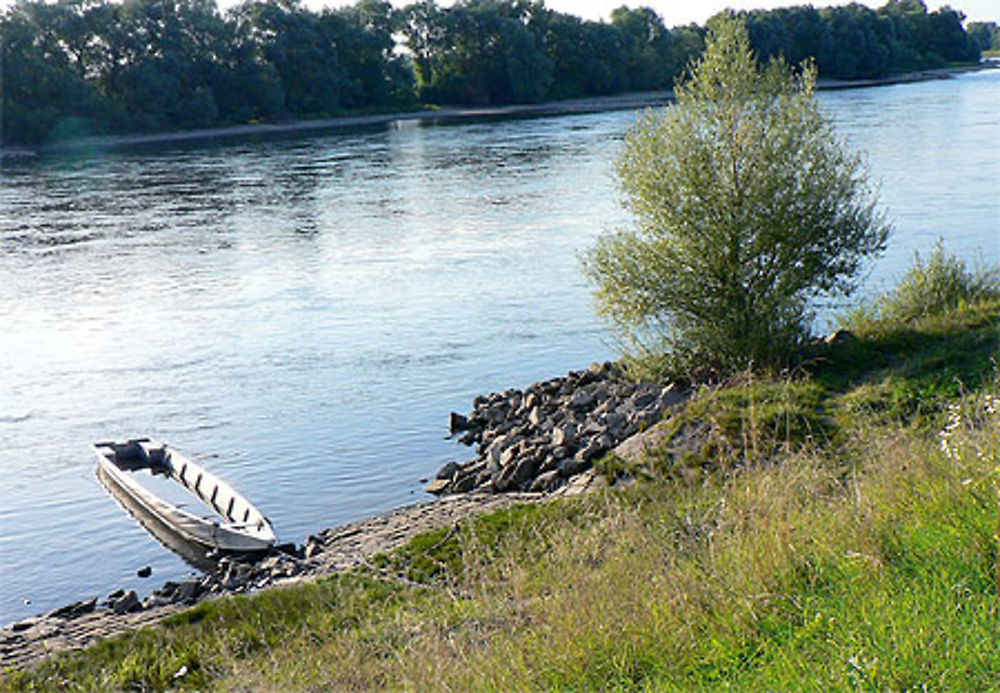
(870, 565)
(876, 571)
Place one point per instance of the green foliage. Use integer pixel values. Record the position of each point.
(746, 207)
(79, 67)
(934, 287)
(985, 35)
(856, 42)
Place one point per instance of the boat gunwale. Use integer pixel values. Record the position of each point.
(232, 535)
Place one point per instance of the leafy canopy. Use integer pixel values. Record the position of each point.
(746, 207)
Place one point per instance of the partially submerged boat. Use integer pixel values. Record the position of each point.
(237, 524)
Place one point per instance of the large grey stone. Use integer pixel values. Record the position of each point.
(535, 416)
(436, 488)
(546, 481)
(582, 399)
(127, 603)
(564, 435)
(188, 592)
(448, 471)
(573, 466)
(464, 483)
(457, 422)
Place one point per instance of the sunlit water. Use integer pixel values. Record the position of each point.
(303, 314)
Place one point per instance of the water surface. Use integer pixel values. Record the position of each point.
(303, 314)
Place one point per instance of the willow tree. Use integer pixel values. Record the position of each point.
(746, 208)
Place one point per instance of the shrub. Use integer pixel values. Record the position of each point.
(941, 284)
(746, 208)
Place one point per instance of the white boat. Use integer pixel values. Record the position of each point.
(236, 526)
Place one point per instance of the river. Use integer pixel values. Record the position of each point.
(303, 313)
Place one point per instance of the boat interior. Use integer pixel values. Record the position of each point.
(147, 454)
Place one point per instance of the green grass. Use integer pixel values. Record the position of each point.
(838, 533)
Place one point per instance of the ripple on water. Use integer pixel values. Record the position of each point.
(306, 312)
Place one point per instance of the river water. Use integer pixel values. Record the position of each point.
(303, 314)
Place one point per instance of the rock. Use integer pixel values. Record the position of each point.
(74, 610)
(288, 549)
(582, 399)
(516, 475)
(448, 471)
(154, 601)
(614, 423)
(457, 423)
(464, 483)
(524, 470)
(436, 487)
(144, 572)
(269, 563)
(595, 448)
(564, 435)
(535, 416)
(573, 466)
(188, 592)
(314, 545)
(509, 455)
(237, 576)
(168, 590)
(554, 427)
(670, 397)
(23, 625)
(643, 400)
(503, 479)
(127, 603)
(545, 481)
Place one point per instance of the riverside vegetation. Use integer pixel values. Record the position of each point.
(829, 524)
(93, 67)
(833, 527)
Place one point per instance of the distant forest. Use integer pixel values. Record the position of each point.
(96, 67)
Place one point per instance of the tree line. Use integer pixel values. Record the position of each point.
(77, 67)
(985, 35)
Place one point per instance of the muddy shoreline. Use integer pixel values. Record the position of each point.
(78, 625)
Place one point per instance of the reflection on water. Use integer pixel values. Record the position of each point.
(309, 310)
(193, 554)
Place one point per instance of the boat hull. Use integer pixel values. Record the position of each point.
(236, 526)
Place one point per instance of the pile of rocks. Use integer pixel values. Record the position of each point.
(536, 439)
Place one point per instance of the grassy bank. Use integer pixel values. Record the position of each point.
(832, 528)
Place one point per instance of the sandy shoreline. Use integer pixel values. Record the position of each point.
(633, 101)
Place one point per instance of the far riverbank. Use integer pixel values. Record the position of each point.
(634, 101)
